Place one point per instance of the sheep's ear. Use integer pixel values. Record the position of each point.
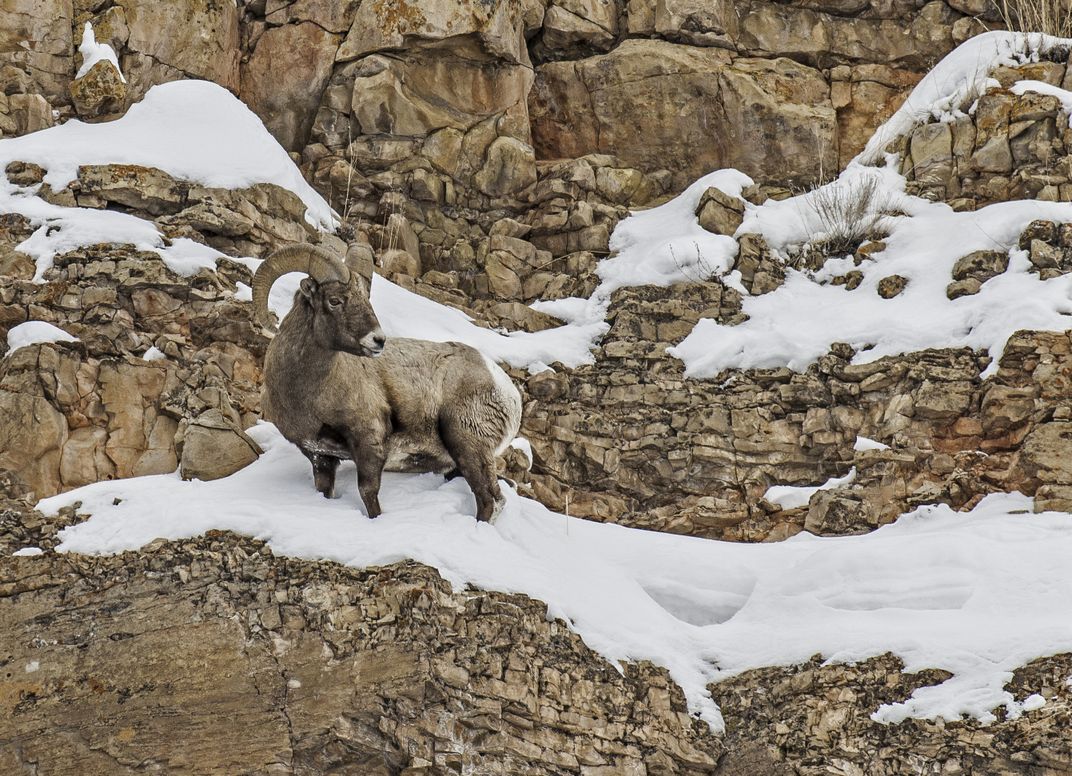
(308, 287)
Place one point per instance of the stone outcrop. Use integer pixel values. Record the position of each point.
(260, 664)
(689, 109)
(630, 439)
(101, 91)
(1010, 147)
(814, 720)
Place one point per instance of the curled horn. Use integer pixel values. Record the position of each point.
(319, 264)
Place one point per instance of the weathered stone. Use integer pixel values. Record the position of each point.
(36, 38)
(213, 447)
(509, 167)
(981, 265)
(314, 666)
(932, 153)
(566, 32)
(498, 27)
(965, 287)
(140, 188)
(891, 286)
(166, 41)
(720, 213)
(284, 77)
(100, 91)
(646, 102)
(31, 113)
(1045, 453)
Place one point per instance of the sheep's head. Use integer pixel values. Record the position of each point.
(343, 318)
(336, 293)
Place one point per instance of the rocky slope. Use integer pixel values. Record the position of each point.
(486, 151)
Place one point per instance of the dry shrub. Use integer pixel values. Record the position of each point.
(848, 212)
(1052, 17)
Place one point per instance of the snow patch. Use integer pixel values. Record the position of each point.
(977, 594)
(864, 444)
(28, 552)
(193, 130)
(154, 354)
(93, 52)
(34, 333)
(797, 323)
(796, 496)
(961, 77)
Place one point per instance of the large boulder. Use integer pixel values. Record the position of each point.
(655, 104)
(36, 39)
(284, 78)
(498, 28)
(100, 91)
(214, 447)
(160, 42)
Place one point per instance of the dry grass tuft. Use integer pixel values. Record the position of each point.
(1052, 17)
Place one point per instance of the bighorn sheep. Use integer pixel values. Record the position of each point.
(337, 388)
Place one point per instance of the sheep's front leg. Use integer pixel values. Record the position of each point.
(324, 468)
(370, 455)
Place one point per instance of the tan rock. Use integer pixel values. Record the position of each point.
(284, 77)
(213, 447)
(498, 27)
(140, 188)
(100, 91)
(720, 213)
(48, 59)
(646, 102)
(565, 32)
(510, 167)
(167, 41)
(30, 112)
(981, 264)
(892, 286)
(1045, 453)
(276, 662)
(332, 15)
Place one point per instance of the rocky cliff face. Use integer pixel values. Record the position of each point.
(258, 664)
(486, 151)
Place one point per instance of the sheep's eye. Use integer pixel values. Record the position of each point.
(334, 301)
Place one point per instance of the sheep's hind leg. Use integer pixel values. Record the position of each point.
(476, 464)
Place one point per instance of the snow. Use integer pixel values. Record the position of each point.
(666, 244)
(796, 496)
(187, 257)
(33, 333)
(403, 313)
(93, 52)
(977, 594)
(864, 444)
(28, 552)
(193, 130)
(154, 354)
(796, 323)
(31, 667)
(659, 246)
